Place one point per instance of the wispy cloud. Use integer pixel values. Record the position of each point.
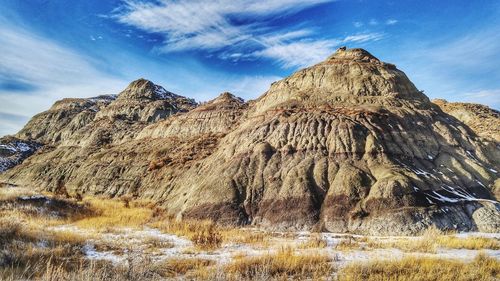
(488, 96)
(34, 72)
(363, 37)
(391, 22)
(464, 68)
(298, 53)
(205, 24)
(211, 26)
(358, 24)
(307, 52)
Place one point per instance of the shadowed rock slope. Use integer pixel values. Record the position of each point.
(484, 121)
(347, 145)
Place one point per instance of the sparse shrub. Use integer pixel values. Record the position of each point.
(207, 238)
(204, 234)
(126, 200)
(284, 264)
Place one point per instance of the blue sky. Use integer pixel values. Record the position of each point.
(50, 49)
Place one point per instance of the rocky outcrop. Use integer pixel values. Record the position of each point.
(63, 119)
(13, 151)
(347, 145)
(484, 121)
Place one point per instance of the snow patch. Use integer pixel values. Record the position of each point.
(92, 254)
(163, 94)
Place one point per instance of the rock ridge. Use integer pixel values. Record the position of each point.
(347, 145)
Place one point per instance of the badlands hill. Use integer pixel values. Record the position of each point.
(484, 121)
(347, 145)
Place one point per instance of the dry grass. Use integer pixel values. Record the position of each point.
(482, 268)
(315, 241)
(348, 244)
(205, 235)
(180, 267)
(113, 213)
(29, 251)
(283, 264)
(50, 270)
(208, 238)
(245, 236)
(25, 250)
(432, 239)
(470, 243)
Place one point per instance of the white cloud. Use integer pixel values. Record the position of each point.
(306, 52)
(363, 37)
(489, 96)
(299, 53)
(357, 24)
(391, 22)
(202, 25)
(49, 70)
(456, 68)
(373, 22)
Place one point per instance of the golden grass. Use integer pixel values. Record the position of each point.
(283, 264)
(245, 236)
(432, 239)
(179, 267)
(9, 193)
(204, 234)
(482, 268)
(470, 243)
(113, 213)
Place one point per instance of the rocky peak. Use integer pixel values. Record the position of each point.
(347, 145)
(227, 97)
(144, 89)
(355, 54)
(350, 77)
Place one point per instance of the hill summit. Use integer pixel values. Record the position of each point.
(347, 145)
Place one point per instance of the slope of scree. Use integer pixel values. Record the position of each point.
(347, 145)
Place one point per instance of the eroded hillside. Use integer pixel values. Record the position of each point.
(347, 145)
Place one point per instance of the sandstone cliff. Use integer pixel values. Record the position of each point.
(347, 145)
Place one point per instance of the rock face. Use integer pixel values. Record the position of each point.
(63, 119)
(347, 145)
(484, 121)
(13, 151)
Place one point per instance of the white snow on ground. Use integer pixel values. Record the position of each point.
(138, 241)
(103, 98)
(478, 234)
(16, 147)
(92, 254)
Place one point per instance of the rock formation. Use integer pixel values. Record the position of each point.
(347, 145)
(484, 121)
(13, 151)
